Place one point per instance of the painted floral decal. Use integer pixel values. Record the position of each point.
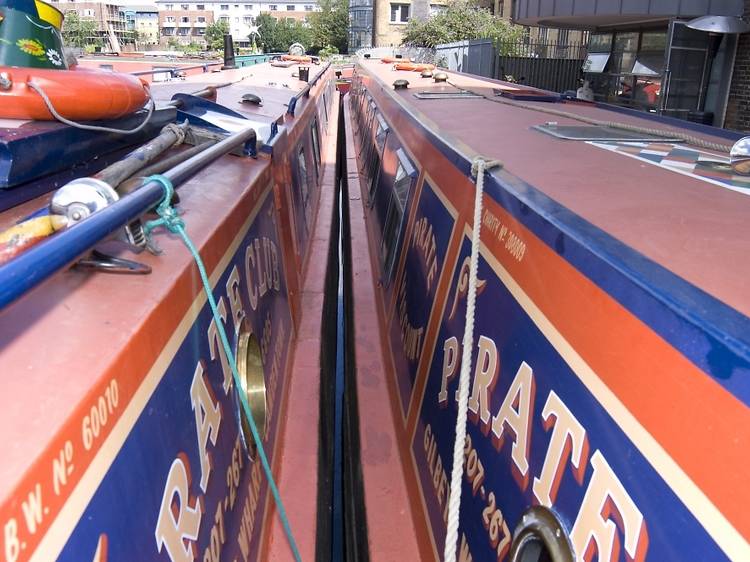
(31, 46)
(54, 57)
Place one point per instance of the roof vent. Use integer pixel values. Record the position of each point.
(440, 77)
(427, 74)
(252, 99)
(400, 84)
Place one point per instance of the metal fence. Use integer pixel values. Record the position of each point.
(476, 56)
(549, 65)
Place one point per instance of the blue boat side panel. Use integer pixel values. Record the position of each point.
(415, 293)
(208, 469)
(499, 481)
(39, 148)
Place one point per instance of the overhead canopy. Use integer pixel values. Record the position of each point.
(592, 14)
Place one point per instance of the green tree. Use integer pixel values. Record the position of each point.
(215, 35)
(277, 36)
(330, 25)
(79, 32)
(461, 20)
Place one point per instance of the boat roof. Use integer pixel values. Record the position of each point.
(678, 205)
(91, 320)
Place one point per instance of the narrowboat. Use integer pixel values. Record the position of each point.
(593, 259)
(248, 315)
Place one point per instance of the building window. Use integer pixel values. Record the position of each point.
(626, 68)
(200, 7)
(184, 7)
(169, 19)
(168, 6)
(400, 13)
(290, 7)
(437, 8)
(308, 8)
(248, 7)
(224, 7)
(225, 19)
(201, 19)
(247, 20)
(273, 7)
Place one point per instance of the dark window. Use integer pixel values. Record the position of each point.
(302, 169)
(402, 183)
(315, 145)
(400, 13)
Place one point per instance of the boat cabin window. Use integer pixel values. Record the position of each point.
(402, 183)
(315, 145)
(325, 107)
(302, 170)
(376, 153)
(381, 133)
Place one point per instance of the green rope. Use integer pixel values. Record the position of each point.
(169, 219)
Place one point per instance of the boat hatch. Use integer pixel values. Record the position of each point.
(599, 133)
(445, 95)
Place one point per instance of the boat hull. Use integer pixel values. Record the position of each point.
(589, 384)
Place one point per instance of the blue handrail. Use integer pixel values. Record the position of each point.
(34, 266)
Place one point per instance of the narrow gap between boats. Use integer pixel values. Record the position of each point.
(341, 532)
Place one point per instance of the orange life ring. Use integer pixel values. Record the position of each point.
(416, 67)
(296, 58)
(78, 94)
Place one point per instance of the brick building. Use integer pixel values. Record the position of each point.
(184, 26)
(738, 105)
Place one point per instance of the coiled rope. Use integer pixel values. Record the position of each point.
(51, 108)
(169, 219)
(478, 167)
(657, 132)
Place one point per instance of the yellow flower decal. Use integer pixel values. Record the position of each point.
(31, 46)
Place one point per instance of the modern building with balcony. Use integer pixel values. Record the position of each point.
(360, 24)
(111, 25)
(239, 16)
(653, 55)
(144, 20)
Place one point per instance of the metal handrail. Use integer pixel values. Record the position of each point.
(28, 270)
(172, 71)
(305, 92)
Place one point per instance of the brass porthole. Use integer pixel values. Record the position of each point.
(253, 386)
(540, 537)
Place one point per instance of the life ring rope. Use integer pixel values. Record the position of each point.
(151, 107)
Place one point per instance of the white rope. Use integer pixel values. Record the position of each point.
(51, 108)
(478, 166)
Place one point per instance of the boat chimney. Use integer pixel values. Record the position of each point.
(229, 61)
